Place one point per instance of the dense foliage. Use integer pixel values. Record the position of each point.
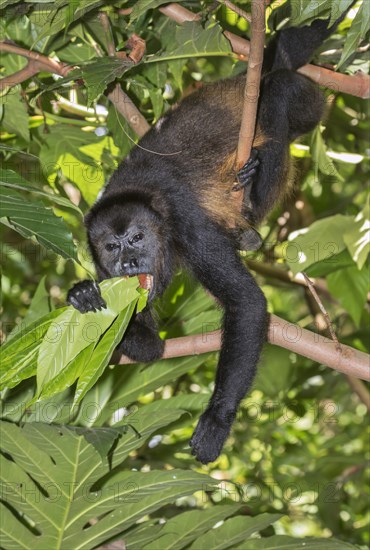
(93, 452)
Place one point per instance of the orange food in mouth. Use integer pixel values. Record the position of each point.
(145, 280)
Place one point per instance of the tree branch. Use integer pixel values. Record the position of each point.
(38, 62)
(357, 85)
(251, 92)
(284, 334)
(124, 105)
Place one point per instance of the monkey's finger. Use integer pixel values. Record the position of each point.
(241, 185)
(79, 303)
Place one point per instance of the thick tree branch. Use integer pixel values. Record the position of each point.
(286, 335)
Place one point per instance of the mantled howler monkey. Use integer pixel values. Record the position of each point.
(159, 211)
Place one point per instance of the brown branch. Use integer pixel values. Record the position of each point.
(19, 76)
(286, 335)
(38, 62)
(105, 23)
(42, 61)
(124, 105)
(251, 92)
(357, 85)
(252, 86)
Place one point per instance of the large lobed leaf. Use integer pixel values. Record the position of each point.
(57, 479)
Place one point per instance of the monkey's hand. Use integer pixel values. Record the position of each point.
(210, 434)
(246, 175)
(141, 341)
(85, 296)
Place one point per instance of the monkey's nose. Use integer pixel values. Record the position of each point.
(132, 262)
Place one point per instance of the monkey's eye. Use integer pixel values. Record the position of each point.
(112, 246)
(136, 238)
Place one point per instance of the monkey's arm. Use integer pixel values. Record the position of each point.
(211, 254)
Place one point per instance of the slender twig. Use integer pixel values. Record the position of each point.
(104, 20)
(360, 389)
(357, 385)
(322, 309)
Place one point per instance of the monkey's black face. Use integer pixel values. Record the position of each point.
(128, 239)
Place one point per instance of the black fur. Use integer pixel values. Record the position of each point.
(153, 214)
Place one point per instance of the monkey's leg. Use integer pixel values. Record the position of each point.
(216, 264)
(141, 341)
(290, 105)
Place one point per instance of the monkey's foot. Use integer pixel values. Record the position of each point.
(248, 171)
(85, 296)
(247, 239)
(250, 239)
(209, 436)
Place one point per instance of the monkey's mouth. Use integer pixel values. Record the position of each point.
(146, 281)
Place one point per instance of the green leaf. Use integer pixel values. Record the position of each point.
(75, 331)
(50, 474)
(78, 155)
(180, 531)
(133, 381)
(15, 119)
(337, 261)
(359, 27)
(321, 242)
(52, 21)
(103, 353)
(305, 12)
(337, 8)
(18, 355)
(9, 178)
(101, 72)
(357, 238)
(141, 6)
(283, 542)
(40, 306)
(195, 41)
(139, 426)
(233, 531)
(350, 286)
(320, 156)
(33, 219)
